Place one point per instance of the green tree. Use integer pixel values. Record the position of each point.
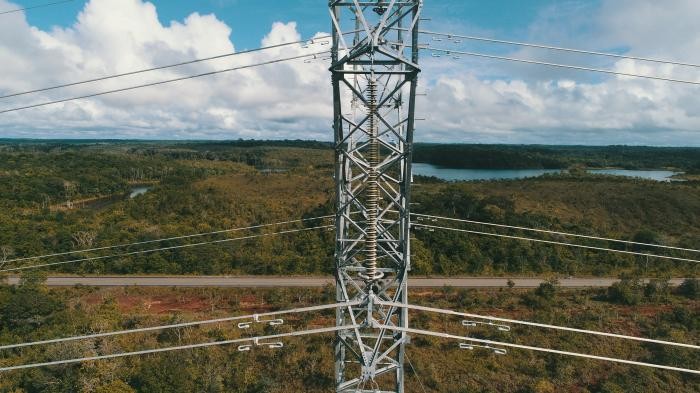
(33, 279)
(627, 291)
(611, 387)
(544, 296)
(690, 288)
(30, 304)
(658, 290)
(115, 387)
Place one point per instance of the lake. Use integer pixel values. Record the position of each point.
(452, 174)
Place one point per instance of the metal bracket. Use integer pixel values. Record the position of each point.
(470, 347)
(257, 343)
(503, 328)
(256, 319)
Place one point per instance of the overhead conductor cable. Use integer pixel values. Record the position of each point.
(558, 48)
(178, 325)
(556, 243)
(34, 7)
(428, 216)
(558, 65)
(539, 349)
(33, 258)
(162, 249)
(177, 348)
(539, 325)
(163, 82)
(136, 72)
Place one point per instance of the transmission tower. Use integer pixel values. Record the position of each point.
(374, 73)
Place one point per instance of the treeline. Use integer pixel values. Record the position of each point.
(263, 157)
(557, 157)
(473, 156)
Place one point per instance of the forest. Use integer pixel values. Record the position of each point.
(30, 311)
(64, 196)
(685, 159)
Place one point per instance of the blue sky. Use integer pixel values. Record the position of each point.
(251, 19)
(469, 100)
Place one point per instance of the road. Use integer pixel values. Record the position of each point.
(270, 282)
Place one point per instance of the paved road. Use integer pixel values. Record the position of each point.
(268, 282)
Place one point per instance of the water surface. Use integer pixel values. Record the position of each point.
(139, 190)
(452, 174)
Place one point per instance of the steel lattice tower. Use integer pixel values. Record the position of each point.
(374, 73)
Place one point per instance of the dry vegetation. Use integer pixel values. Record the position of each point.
(306, 364)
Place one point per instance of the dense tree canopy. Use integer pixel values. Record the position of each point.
(70, 196)
(62, 197)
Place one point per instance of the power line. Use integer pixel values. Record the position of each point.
(558, 243)
(255, 340)
(34, 7)
(180, 325)
(163, 249)
(555, 232)
(163, 67)
(579, 68)
(533, 324)
(163, 82)
(538, 349)
(561, 49)
(167, 239)
(415, 372)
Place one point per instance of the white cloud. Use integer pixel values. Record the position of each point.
(116, 36)
(293, 100)
(546, 105)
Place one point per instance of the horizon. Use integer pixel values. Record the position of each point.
(136, 140)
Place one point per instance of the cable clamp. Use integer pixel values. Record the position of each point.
(256, 319)
(471, 346)
(503, 328)
(256, 343)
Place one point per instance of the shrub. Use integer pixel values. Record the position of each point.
(547, 290)
(690, 288)
(544, 386)
(657, 290)
(115, 387)
(646, 236)
(627, 291)
(543, 296)
(610, 387)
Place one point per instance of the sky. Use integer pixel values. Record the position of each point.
(468, 100)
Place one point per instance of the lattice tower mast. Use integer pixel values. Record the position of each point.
(374, 73)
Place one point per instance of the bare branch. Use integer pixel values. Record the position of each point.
(84, 239)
